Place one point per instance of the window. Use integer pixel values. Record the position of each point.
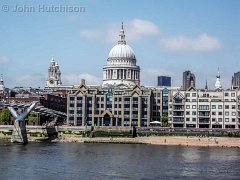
(233, 113)
(226, 94)
(187, 106)
(193, 100)
(220, 113)
(226, 119)
(194, 94)
(194, 106)
(193, 119)
(232, 94)
(213, 119)
(219, 119)
(187, 113)
(233, 107)
(187, 94)
(213, 113)
(194, 113)
(203, 107)
(227, 107)
(187, 119)
(213, 106)
(219, 106)
(226, 113)
(233, 119)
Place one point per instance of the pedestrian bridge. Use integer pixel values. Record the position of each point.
(19, 133)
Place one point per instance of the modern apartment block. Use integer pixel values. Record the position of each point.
(204, 109)
(116, 106)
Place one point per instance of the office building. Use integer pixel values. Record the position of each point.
(236, 80)
(188, 80)
(164, 81)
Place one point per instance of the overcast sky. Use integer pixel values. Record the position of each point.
(167, 36)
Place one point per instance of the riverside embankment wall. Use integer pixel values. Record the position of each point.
(88, 131)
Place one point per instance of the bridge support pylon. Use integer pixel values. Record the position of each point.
(19, 134)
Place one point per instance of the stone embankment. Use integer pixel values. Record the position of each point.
(127, 135)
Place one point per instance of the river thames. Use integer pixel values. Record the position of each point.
(116, 161)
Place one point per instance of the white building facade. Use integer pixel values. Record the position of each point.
(204, 109)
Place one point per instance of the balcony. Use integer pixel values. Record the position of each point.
(178, 109)
(178, 102)
(204, 114)
(178, 120)
(203, 120)
(179, 114)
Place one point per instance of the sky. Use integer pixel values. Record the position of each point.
(167, 36)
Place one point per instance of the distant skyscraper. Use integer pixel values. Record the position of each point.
(188, 80)
(236, 80)
(164, 81)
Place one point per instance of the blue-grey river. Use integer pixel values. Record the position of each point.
(116, 161)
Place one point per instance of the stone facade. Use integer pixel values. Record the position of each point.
(114, 106)
(121, 65)
(54, 75)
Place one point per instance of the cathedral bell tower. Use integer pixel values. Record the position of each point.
(54, 75)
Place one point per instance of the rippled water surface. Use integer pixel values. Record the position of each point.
(116, 161)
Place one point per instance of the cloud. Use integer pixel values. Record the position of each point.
(3, 60)
(135, 29)
(30, 80)
(181, 43)
(91, 34)
(75, 79)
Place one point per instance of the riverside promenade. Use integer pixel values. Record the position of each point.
(127, 135)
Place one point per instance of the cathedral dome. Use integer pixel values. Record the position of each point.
(121, 51)
(121, 65)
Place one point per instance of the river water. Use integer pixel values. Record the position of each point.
(116, 161)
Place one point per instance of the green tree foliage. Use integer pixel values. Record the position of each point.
(33, 117)
(4, 115)
(164, 120)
